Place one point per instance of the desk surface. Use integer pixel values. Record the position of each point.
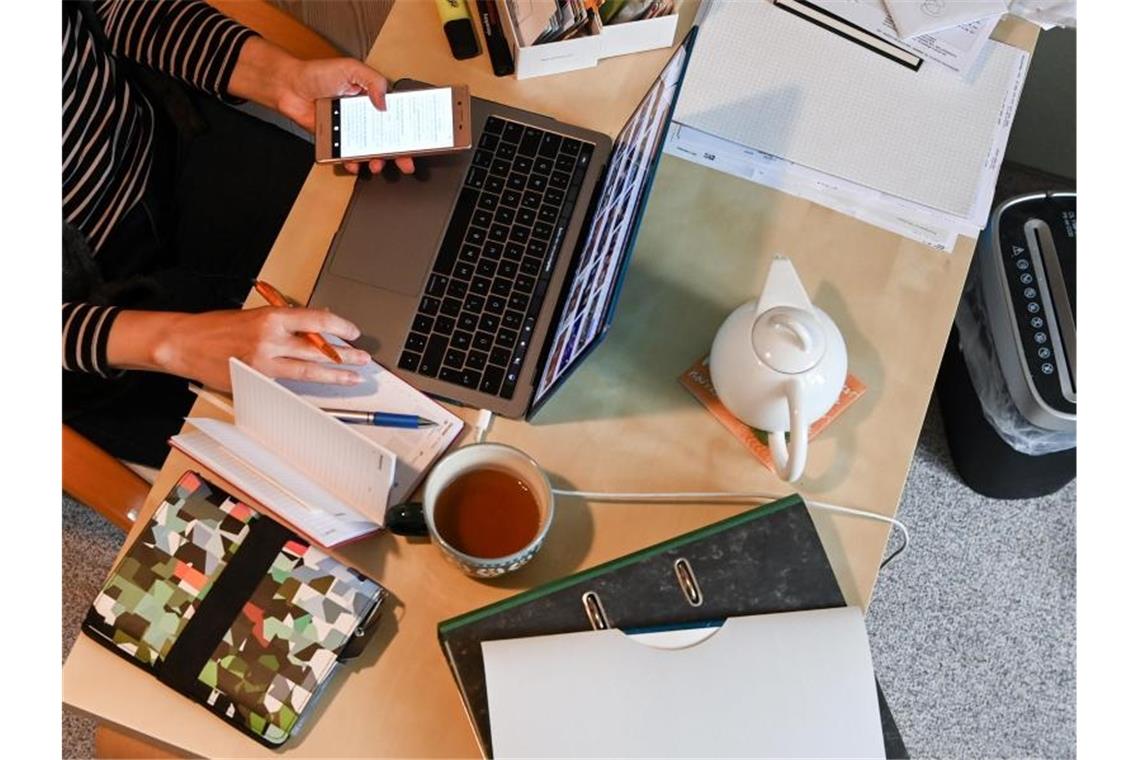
(622, 422)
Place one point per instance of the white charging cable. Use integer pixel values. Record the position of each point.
(691, 497)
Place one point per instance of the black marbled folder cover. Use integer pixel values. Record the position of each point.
(767, 559)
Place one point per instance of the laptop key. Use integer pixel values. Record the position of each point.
(477, 359)
(549, 145)
(461, 340)
(453, 238)
(514, 251)
(456, 289)
(486, 267)
(499, 233)
(500, 167)
(559, 180)
(489, 323)
(482, 218)
(449, 375)
(554, 196)
(469, 253)
(451, 306)
(436, 285)
(511, 198)
(524, 283)
(512, 131)
(570, 145)
(494, 125)
(506, 151)
(526, 216)
(463, 271)
(482, 158)
(508, 269)
(502, 287)
(544, 166)
(480, 286)
(504, 215)
(523, 165)
(516, 181)
(488, 202)
(531, 265)
(509, 383)
(500, 356)
(453, 359)
(444, 325)
(548, 214)
(530, 140)
(564, 163)
(415, 342)
(506, 338)
(483, 341)
(532, 199)
(492, 380)
(537, 182)
(433, 355)
(494, 184)
(422, 323)
(469, 378)
(468, 321)
(475, 304)
(488, 140)
(476, 177)
(496, 304)
(518, 301)
(511, 319)
(520, 234)
(543, 231)
(409, 361)
(537, 248)
(493, 250)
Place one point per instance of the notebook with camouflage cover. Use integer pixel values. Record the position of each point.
(233, 610)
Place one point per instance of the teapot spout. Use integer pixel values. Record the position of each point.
(782, 288)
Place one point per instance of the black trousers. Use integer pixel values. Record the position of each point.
(217, 198)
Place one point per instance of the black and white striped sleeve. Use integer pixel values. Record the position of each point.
(186, 39)
(85, 331)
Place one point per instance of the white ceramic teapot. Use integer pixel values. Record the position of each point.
(779, 363)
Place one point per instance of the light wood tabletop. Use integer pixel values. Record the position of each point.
(622, 422)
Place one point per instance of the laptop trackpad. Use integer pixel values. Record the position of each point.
(392, 231)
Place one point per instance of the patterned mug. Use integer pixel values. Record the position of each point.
(478, 456)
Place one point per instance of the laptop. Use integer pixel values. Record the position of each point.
(488, 276)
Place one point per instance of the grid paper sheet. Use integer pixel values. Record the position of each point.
(765, 78)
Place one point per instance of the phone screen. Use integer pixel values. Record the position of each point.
(414, 121)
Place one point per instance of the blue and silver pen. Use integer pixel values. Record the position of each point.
(380, 419)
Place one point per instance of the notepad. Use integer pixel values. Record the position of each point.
(330, 480)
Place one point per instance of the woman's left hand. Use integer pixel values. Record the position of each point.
(268, 75)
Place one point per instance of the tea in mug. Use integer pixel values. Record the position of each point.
(487, 513)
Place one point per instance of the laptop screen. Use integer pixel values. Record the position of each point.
(592, 294)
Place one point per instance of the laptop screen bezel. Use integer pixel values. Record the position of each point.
(627, 255)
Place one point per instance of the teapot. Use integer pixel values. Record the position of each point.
(779, 363)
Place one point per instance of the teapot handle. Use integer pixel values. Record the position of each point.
(791, 468)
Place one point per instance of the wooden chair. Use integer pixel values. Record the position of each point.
(99, 480)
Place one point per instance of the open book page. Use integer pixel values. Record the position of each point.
(382, 391)
(355, 469)
(272, 482)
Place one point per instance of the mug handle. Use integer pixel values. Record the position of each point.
(406, 519)
(791, 468)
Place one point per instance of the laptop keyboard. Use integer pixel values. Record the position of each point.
(478, 311)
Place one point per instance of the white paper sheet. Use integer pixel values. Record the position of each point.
(913, 17)
(798, 684)
(765, 78)
(382, 391)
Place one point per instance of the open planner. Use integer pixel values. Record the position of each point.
(330, 480)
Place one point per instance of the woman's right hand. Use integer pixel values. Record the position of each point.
(199, 346)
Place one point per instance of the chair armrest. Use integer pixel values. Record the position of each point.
(278, 27)
(100, 481)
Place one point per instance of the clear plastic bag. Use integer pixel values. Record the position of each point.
(976, 342)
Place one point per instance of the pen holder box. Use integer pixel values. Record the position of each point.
(585, 52)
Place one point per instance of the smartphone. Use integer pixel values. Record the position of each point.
(415, 123)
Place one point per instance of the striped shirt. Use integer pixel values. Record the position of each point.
(108, 124)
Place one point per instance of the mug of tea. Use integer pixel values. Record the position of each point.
(487, 506)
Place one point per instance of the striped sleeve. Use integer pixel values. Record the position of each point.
(186, 39)
(85, 331)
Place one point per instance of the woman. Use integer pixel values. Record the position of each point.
(171, 201)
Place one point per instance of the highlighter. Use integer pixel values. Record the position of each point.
(458, 28)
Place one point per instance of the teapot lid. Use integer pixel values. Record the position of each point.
(788, 339)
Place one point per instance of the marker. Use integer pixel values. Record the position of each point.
(381, 419)
(497, 49)
(458, 28)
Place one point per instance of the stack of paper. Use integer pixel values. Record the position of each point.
(907, 135)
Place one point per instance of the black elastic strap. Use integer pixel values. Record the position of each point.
(222, 605)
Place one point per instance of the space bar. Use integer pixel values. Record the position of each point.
(460, 217)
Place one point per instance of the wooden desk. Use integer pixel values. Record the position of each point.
(623, 422)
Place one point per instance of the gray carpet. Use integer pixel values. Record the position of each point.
(972, 629)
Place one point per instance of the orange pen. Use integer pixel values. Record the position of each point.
(274, 297)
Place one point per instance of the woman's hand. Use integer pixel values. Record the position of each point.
(268, 75)
(199, 346)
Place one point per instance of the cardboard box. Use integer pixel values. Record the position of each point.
(585, 52)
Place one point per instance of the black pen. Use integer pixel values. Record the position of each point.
(501, 62)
